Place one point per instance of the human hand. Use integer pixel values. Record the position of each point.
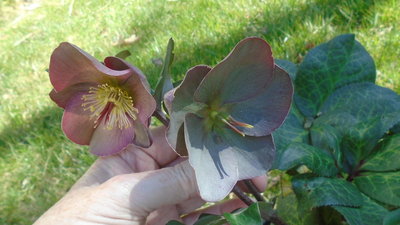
(138, 186)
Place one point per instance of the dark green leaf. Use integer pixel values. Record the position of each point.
(288, 210)
(291, 131)
(386, 159)
(369, 213)
(321, 191)
(315, 159)
(328, 67)
(384, 187)
(249, 216)
(123, 54)
(288, 66)
(165, 83)
(392, 218)
(209, 219)
(326, 137)
(361, 125)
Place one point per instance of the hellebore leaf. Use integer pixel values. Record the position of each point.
(321, 191)
(383, 159)
(329, 66)
(315, 159)
(210, 219)
(288, 66)
(361, 125)
(292, 130)
(221, 159)
(392, 218)
(183, 104)
(326, 137)
(165, 82)
(289, 210)
(248, 216)
(384, 187)
(243, 74)
(266, 111)
(369, 213)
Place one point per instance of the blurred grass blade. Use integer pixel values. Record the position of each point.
(123, 54)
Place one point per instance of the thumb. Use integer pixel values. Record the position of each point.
(152, 190)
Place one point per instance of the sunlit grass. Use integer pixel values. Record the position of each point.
(38, 164)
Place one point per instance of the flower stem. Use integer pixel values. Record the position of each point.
(161, 117)
(242, 196)
(253, 189)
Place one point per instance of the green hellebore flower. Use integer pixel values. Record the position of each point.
(222, 117)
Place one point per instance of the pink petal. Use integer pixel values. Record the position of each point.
(107, 142)
(76, 122)
(136, 85)
(61, 98)
(70, 65)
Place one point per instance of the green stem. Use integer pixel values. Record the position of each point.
(242, 196)
(253, 189)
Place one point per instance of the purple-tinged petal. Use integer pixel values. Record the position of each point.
(76, 122)
(142, 134)
(61, 98)
(71, 65)
(136, 86)
(241, 75)
(107, 142)
(181, 105)
(212, 159)
(267, 111)
(254, 155)
(168, 98)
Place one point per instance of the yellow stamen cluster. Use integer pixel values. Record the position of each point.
(110, 104)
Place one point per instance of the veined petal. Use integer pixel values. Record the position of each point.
(61, 98)
(267, 111)
(76, 122)
(183, 98)
(71, 65)
(212, 159)
(254, 155)
(242, 74)
(136, 85)
(107, 141)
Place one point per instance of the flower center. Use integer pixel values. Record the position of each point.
(216, 117)
(110, 103)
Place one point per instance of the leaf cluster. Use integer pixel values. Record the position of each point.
(344, 129)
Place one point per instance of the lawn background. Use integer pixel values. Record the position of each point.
(38, 164)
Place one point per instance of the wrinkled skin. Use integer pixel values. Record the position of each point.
(138, 186)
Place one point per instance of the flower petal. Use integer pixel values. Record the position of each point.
(254, 155)
(142, 134)
(242, 74)
(107, 142)
(212, 159)
(267, 111)
(136, 85)
(181, 105)
(71, 65)
(61, 98)
(76, 122)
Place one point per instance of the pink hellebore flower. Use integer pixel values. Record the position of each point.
(107, 105)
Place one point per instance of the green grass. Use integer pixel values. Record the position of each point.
(38, 164)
